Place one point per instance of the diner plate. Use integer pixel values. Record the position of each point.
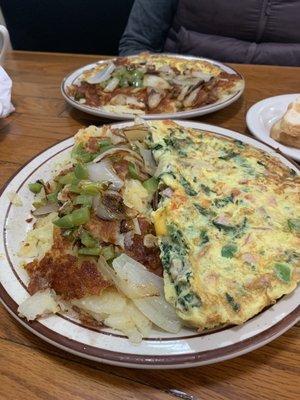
(263, 115)
(188, 348)
(207, 109)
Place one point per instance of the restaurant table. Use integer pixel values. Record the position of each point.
(32, 369)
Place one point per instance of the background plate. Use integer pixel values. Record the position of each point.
(263, 115)
(71, 78)
(162, 350)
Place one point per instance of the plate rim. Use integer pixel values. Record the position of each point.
(178, 115)
(151, 361)
(251, 115)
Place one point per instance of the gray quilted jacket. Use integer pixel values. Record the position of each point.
(243, 31)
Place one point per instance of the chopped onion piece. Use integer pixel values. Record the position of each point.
(155, 82)
(136, 132)
(40, 304)
(112, 84)
(46, 209)
(159, 312)
(149, 161)
(137, 283)
(103, 172)
(102, 75)
(101, 211)
(203, 75)
(114, 150)
(136, 225)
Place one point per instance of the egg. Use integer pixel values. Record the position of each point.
(229, 234)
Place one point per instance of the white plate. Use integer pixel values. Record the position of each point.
(162, 350)
(71, 79)
(263, 115)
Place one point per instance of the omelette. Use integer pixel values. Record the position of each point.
(229, 233)
(218, 219)
(154, 83)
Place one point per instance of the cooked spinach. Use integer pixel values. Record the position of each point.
(239, 143)
(229, 250)
(236, 230)
(235, 306)
(291, 256)
(207, 190)
(261, 163)
(219, 203)
(204, 211)
(228, 154)
(166, 249)
(294, 224)
(283, 272)
(204, 237)
(188, 300)
(187, 186)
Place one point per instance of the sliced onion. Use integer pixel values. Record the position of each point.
(149, 162)
(112, 84)
(131, 277)
(102, 75)
(137, 283)
(155, 82)
(203, 75)
(122, 100)
(183, 80)
(159, 312)
(183, 92)
(41, 303)
(101, 211)
(103, 172)
(136, 132)
(154, 98)
(191, 98)
(114, 150)
(46, 209)
(136, 225)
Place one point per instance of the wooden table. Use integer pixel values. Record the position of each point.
(32, 369)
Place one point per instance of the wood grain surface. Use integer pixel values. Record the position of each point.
(32, 369)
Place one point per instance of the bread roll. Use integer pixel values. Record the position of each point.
(287, 129)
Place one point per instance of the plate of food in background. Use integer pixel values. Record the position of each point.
(154, 244)
(153, 86)
(276, 121)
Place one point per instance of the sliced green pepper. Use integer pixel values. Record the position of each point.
(39, 203)
(52, 197)
(87, 240)
(93, 251)
(35, 187)
(83, 199)
(66, 179)
(81, 155)
(89, 188)
(133, 171)
(76, 218)
(136, 78)
(283, 272)
(151, 184)
(104, 145)
(81, 172)
(108, 252)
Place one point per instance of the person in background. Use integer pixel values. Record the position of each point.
(245, 31)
